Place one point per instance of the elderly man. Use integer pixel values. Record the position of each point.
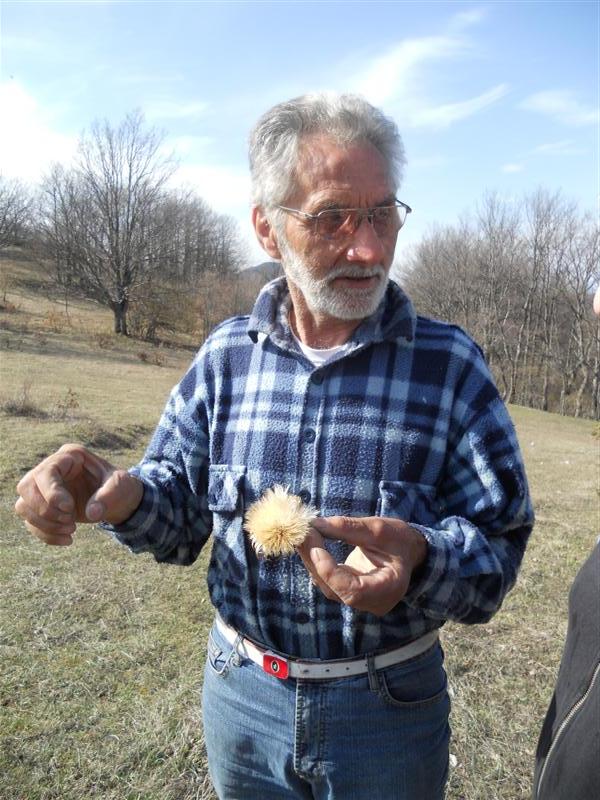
(325, 675)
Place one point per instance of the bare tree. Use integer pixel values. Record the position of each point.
(99, 219)
(15, 206)
(520, 279)
(195, 252)
(580, 277)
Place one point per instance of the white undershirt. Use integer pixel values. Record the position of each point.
(321, 356)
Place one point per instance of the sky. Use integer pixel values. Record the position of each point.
(490, 97)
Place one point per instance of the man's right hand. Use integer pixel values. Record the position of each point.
(74, 485)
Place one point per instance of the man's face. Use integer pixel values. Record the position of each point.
(342, 278)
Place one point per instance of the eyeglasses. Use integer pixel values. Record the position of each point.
(340, 223)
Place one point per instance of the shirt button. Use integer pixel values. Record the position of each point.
(309, 435)
(317, 377)
(304, 495)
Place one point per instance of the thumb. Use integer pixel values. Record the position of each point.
(116, 499)
(95, 508)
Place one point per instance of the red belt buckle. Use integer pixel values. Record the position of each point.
(275, 665)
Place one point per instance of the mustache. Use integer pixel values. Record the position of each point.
(354, 271)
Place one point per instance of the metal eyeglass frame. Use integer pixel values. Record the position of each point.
(358, 213)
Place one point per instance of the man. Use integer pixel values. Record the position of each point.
(567, 759)
(324, 675)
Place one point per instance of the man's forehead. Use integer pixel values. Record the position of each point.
(329, 170)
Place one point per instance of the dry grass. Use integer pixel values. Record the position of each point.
(502, 673)
(101, 652)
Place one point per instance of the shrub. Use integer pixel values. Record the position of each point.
(103, 341)
(66, 408)
(21, 404)
(55, 321)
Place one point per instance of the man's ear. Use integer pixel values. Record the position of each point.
(265, 233)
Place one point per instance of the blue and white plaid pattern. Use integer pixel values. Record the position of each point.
(406, 424)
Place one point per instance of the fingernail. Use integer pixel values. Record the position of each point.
(317, 554)
(94, 511)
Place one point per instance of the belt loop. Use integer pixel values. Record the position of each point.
(373, 676)
(236, 656)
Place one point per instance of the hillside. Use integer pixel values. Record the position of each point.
(101, 652)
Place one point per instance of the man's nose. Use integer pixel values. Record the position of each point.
(365, 245)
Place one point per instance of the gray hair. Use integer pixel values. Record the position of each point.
(346, 118)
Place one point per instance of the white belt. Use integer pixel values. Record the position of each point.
(282, 667)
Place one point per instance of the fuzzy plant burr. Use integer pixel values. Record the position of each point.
(278, 522)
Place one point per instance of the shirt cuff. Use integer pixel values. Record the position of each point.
(432, 585)
(135, 528)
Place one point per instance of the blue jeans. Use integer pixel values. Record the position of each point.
(383, 735)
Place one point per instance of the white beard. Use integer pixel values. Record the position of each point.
(338, 302)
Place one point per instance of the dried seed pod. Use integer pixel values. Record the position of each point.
(278, 522)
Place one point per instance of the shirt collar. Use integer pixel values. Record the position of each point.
(394, 318)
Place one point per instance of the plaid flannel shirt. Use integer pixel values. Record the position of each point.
(407, 423)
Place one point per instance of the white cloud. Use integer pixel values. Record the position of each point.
(29, 139)
(465, 19)
(398, 78)
(170, 109)
(394, 74)
(26, 45)
(563, 106)
(566, 147)
(444, 115)
(512, 167)
(145, 77)
(224, 188)
(186, 146)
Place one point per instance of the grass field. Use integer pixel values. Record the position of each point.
(101, 652)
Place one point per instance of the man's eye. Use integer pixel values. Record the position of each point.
(383, 214)
(331, 219)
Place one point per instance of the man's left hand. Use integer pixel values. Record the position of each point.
(376, 575)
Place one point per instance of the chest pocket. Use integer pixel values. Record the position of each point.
(228, 563)
(226, 489)
(412, 502)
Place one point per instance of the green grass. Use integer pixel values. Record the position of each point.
(101, 652)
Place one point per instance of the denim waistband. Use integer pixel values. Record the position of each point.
(282, 666)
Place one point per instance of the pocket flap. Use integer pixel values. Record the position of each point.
(412, 502)
(225, 487)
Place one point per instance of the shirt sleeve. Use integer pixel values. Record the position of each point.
(486, 517)
(173, 521)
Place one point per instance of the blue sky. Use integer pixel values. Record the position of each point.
(489, 96)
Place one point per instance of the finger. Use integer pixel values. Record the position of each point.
(60, 540)
(376, 591)
(116, 499)
(316, 580)
(362, 532)
(311, 551)
(48, 480)
(33, 520)
(345, 582)
(38, 505)
(333, 579)
(352, 530)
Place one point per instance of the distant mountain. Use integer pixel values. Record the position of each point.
(265, 271)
